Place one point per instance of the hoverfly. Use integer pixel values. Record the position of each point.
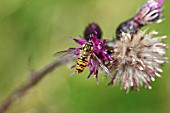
(84, 56)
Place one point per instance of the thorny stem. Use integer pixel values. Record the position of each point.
(23, 88)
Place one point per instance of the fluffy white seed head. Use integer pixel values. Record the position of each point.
(137, 59)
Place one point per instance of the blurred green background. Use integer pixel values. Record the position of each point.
(36, 29)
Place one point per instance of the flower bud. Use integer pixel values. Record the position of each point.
(149, 13)
(92, 29)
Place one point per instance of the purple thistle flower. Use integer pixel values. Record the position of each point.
(137, 59)
(96, 58)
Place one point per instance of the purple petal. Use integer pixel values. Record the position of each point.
(81, 42)
(71, 67)
(72, 73)
(160, 2)
(91, 71)
(96, 75)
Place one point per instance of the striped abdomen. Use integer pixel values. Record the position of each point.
(81, 63)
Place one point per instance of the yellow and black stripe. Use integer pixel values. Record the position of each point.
(81, 63)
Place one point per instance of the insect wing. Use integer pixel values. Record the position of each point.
(102, 66)
(66, 55)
